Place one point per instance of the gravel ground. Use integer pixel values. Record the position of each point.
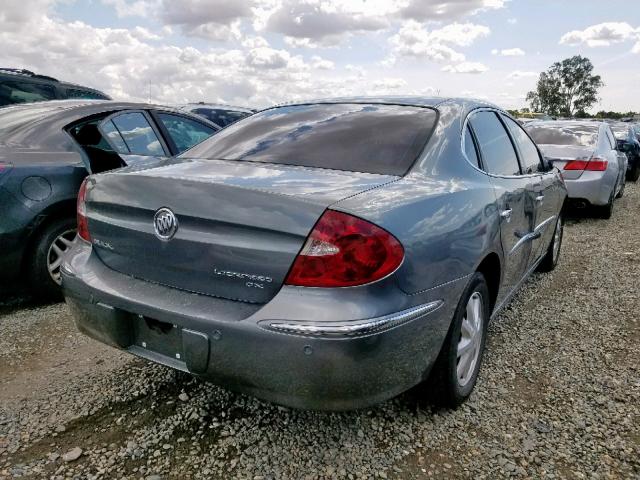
(558, 396)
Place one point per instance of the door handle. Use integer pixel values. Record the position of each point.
(506, 214)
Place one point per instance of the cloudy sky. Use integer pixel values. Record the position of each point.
(260, 52)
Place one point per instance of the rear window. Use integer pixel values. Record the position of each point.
(574, 135)
(24, 92)
(620, 131)
(382, 139)
(220, 117)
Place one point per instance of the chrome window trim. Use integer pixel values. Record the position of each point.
(462, 146)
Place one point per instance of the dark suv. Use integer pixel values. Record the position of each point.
(24, 86)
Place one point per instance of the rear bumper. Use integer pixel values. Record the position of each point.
(227, 343)
(593, 187)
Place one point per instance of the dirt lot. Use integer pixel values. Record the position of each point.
(558, 397)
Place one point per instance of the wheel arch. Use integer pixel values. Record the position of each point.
(62, 209)
(491, 268)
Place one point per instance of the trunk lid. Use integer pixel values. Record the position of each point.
(240, 224)
(560, 155)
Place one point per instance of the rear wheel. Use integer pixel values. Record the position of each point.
(634, 173)
(552, 256)
(456, 370)
(624, 184)
(606, 211)
(47, 255)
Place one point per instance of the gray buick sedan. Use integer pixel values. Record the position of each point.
(322, 255)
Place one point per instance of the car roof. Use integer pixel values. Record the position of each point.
(28, 75)
(559, 123)
(80, 107)
(217, 106)
(405, 100)
(52, 116)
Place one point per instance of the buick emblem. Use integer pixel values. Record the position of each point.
(165, 224)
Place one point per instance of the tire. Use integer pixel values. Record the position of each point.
(48, 247)
(624, 184)
(605, 211)
(634, 173)
(551, 258)
(446, 388)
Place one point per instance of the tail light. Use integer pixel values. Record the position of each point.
(83, 225)
(594, 165)
(344, 251)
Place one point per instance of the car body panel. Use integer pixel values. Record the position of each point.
(595, 187)
(445, 212)
(46, 169)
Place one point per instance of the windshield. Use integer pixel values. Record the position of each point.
(577, 135)
(372, 138)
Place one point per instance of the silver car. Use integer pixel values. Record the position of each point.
(327, 255)
(586, 153)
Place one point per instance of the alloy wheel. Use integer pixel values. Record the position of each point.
(56, 252)
(470, 343)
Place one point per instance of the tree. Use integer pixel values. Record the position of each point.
(566, 88)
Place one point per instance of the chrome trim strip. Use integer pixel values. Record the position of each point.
(353, 328)
(532, 235)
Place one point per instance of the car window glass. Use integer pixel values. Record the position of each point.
(23, 92)
(76, 93)
(138, 134)
(220, 117)
(567, 134)
(114, 137)
(371, 138)
(185, 132)
(529, 156)
(470, 148)
(498, 155)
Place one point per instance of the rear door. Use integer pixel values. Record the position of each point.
(513, 194)
(132, 134)
(541, 189)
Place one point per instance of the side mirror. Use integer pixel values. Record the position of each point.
(547, 165)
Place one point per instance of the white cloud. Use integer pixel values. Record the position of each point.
(601, 35)
(516, 74)
(217, 20)
(324, 22)
(508, 52)
(465, 67)
(389, 84)
(320, 63)
(137, 8)
(413, 40)
(446, 10)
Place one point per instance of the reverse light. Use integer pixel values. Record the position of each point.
(594, 165)
(344, 251)
(83, 225)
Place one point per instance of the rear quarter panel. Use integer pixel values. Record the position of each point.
(444, 212)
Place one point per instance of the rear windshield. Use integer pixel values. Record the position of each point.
(220, 117)
(371, 138)
(574, 135)
(620, 131)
